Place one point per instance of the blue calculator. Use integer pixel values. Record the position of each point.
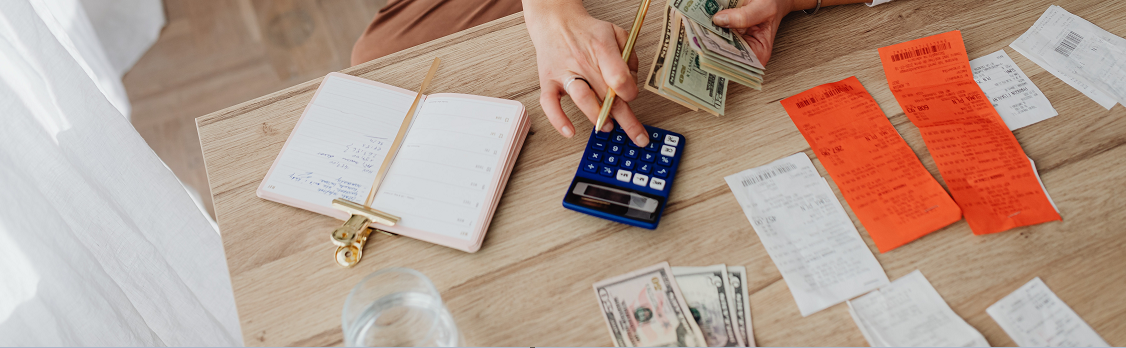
(621, 182)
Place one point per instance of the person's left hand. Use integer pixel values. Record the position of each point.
(757, 21)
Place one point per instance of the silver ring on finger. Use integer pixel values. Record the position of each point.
(567, 85)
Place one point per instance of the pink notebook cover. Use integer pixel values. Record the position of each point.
(513, 146)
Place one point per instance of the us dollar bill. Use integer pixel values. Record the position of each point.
(701, 11)
(645, 308)
(684, 78)
(740, 304)
(653, 83)
(708, 293)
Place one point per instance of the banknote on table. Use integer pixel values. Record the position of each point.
(645, 308)
(740, 301)
(708, 292)
(684, 78)
(653, 83)
(731, 59)
(701, 11)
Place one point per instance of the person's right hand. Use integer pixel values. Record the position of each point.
(757, 21)
(570, 43)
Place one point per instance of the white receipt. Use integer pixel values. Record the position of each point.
(1016, 99)
(1034, 317)
(1078, 52)
(807, 233)
(910, 313)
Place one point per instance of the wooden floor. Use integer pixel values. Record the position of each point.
(215, 54)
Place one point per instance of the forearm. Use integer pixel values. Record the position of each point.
(798, 5)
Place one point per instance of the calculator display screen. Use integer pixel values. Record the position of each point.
(595, 191)
(614, 199)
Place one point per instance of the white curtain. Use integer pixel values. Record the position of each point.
(99, 243)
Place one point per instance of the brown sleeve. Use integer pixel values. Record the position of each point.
(405, 23)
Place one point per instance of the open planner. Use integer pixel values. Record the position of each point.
(445, 181)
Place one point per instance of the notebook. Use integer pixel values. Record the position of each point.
(444, 182)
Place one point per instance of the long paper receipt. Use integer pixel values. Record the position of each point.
(887, 187)
(1013, 95)
(807, 233)
(1034, 317)
(981, 161)
(910, 313)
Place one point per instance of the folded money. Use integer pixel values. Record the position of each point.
(732, 59)
(678, 307)
(676, 73)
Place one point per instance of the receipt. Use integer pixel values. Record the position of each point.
(1016, 99)
(1034, 317)
(890, 191)
(1085, 56)
(807, 233)
(910, 313)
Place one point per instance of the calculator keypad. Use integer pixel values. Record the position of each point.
(616, 157)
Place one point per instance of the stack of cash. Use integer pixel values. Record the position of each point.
(662, 306)
(697, 58)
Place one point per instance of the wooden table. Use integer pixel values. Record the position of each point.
(530, 284)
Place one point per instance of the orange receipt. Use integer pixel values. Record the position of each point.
(981, 161)
(892, 194)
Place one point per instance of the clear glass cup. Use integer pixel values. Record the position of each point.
(397, 307)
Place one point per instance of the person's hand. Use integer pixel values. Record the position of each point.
(571, 44)
(757, 21)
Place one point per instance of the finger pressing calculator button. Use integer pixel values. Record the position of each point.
(665, 161)
(606, 171)
(618, 138)
(668, 150)
(612, 160)
(632, 153)
(640, 179)
(627, 163)
(648, 157)
(598, 145)
(590, 167)
(624, 175)
(672, 140)
(594, 156)
(661, 172)
(657, 184)
(644, 168)
(616, 149)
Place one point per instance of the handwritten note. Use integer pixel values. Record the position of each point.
(981, 161)
(1016, 99)
(1034, 316)
(910, 313)
(1078, 52)
(890, 191)
(807, 233)
(441, 177)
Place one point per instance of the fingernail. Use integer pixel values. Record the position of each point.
(607, 127)
(568, 132)
(642, 140)
(720, 19)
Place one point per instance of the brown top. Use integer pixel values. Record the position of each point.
(407, 23)
(530, 284)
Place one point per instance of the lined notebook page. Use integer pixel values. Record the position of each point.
(445, 169)
(339, 144)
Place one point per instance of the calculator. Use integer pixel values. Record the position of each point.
(622, 182)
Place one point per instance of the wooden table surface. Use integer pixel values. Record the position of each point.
(530, 284)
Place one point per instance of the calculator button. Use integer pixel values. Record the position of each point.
(624, 175)
(612, 160)
(657, 184)
(598, 145)
(602, 135)
(665, 161)
(654, 136)
(632, 153)
(648, 157)
(644, 168)
(652, 146)
(662, 172)
(672, 140)
(590, 167)
(627, 163)
(616, 149)
(640, 179)
(606, 171)
(618, 138)
(594, 156)
(668, 150)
